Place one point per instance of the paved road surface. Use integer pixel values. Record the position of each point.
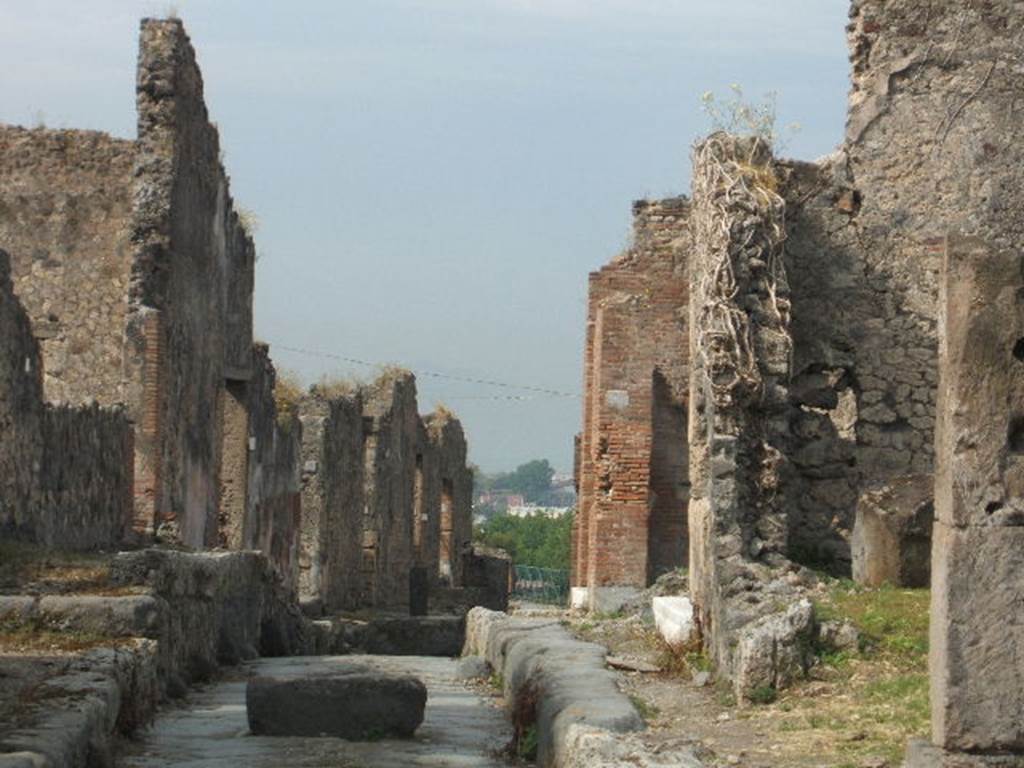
(461, 728)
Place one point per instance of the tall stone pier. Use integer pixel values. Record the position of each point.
(754, 624)
(977, 636)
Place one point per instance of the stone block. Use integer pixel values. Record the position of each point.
(674, 618)
(359, 705)
(579, 597)
(773, 651)
(892, 533)
(923, 754)
(977, 685)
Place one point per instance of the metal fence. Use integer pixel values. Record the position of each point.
(541, 585)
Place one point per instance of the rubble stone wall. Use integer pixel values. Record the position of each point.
(65, 211)
(332, 499)
(633, 479)
(754, 625)
(450, 510)
(67, 471)
(273, 497)
(934, 147)
(391, 425)
(189, 324)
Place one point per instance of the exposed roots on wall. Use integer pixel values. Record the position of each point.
(744, 285)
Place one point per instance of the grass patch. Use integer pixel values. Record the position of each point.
(34, 637)
(893, 622)
(867, 703)
(646, 710)
(37, 569)
(764, 694)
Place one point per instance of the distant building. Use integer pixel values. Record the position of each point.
(499, 498)
(526, 510)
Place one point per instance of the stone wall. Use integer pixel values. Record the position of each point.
(755, 625)
(273, 496)
(65, 210)
(934, 139)
(633, 478)
(391, 425)
(67, 471)
(189, 319)
(448, 498)
(138, 278)
(332, 498)
(22, 412)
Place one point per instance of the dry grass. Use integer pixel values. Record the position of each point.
(762, 176)
(392, 371)
(33, 637)
(336, 387)
(288, 393)
(31, 568)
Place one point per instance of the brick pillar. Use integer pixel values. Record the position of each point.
(143, 366)
(620, 509)
(977, 638)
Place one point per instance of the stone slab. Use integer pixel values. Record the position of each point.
(358, 705)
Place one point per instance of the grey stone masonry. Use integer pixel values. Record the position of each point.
(978, 551)
(753, 620)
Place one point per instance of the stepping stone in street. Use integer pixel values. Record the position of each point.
(360, 705)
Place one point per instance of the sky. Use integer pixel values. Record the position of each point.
(434, 179)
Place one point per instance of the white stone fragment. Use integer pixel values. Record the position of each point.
(674, 619)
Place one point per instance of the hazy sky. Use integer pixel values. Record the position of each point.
(434, 179)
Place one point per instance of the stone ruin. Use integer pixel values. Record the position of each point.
(799, 341)
(137, 405)
(770, 371)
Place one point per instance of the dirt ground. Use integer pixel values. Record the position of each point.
(857, 709)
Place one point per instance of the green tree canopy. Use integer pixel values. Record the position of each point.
(536, 540)
(532, 480)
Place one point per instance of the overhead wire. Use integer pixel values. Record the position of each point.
(437, 375)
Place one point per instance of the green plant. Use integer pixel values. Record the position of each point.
(736, 115)
(526, 745)
(646, 710)
(763, 694)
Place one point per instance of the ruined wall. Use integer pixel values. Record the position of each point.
(633, 477)
(927, 128)
(332, 498)
(754, 626)
(67, 471)
(427, 497)
(65, 210)
(451, 506)
(189, 320)
(21, 408)
(390, 422)
(934, 153)
(273, 493)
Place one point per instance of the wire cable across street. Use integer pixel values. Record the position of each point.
(434, 374)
